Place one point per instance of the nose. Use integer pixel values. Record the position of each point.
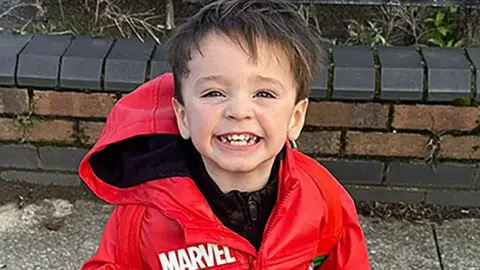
(239, 108)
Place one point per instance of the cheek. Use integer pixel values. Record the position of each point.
(202, 120)
(276, 120)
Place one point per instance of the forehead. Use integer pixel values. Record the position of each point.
(219, 54)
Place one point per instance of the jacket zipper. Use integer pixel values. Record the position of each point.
(252, 208)
(274, 222)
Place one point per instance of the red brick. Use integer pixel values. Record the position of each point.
(464, 147)
(72, 104)
(338, 114)
(35, 130)
(322, 142)
(436, 118)
(386, 144)
(90, 131)
(50, 131)
(13, 100)
(10, 130)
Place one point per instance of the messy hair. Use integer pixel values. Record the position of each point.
(275, 22)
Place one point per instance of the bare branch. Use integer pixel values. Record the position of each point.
(8, 11)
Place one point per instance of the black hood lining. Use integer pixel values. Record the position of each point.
(142, 158)
(147, 157)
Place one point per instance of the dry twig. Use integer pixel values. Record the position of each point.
(37, 4)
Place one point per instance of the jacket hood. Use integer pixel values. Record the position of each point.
(140, 142)
(140, 124)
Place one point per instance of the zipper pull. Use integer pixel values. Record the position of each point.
(252, 207)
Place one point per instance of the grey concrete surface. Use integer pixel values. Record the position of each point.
(459, 243)
(400, 245)
(26, 243)
(60, 234)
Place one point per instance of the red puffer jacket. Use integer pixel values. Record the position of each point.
(178, 229)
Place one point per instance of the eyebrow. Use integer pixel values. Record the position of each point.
(222, 80)
(264, 79)
(212, 78)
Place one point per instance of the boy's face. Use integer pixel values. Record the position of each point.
(238, 113)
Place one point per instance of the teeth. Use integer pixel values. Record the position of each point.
(239, 140)
(239, 143)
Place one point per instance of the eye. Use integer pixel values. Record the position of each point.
(264, 94)
(213, 93)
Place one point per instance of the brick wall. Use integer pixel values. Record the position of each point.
(381, 143)
(393, 152)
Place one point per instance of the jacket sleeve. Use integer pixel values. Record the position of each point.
(351, 251)
(105, 256)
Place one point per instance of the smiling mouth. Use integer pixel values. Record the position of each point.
(239, 139)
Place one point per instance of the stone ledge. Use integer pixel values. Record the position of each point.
(116, 64)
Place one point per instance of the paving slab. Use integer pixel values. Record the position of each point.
(459, 243)
(61, 158)
(400, 245)
(354, 73)
(364, 193)
(422, 174)
(319, 88)
(461, 198)
(474, 54)
(10, 47)
(18, 156)
(354, 171)
(401, 73)
(159, 64)
(82, 64)
(32, 246)
(449, 73)
(39, 62)
(126, 64)
(27, 243)
(41, 177)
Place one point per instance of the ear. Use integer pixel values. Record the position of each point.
(181, 116)
(298, 119)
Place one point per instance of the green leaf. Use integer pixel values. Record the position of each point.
(436, 35)
(453, 9)
(459, 43)
(430, 20)
(443, 30)
(449, 44)
(435, 41)
(439, 18)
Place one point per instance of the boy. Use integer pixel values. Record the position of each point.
(198, 161)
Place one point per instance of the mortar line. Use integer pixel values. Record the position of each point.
(439, 254)
(386, 164)
(343, 143)
(476, 177)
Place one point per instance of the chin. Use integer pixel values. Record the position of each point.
(240, 165)
(237, 167)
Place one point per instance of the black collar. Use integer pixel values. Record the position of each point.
(245, 213)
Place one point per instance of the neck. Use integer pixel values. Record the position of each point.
(245, 181)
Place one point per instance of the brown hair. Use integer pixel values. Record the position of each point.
(273, 21)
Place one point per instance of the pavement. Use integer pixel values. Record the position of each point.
(55, 233)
